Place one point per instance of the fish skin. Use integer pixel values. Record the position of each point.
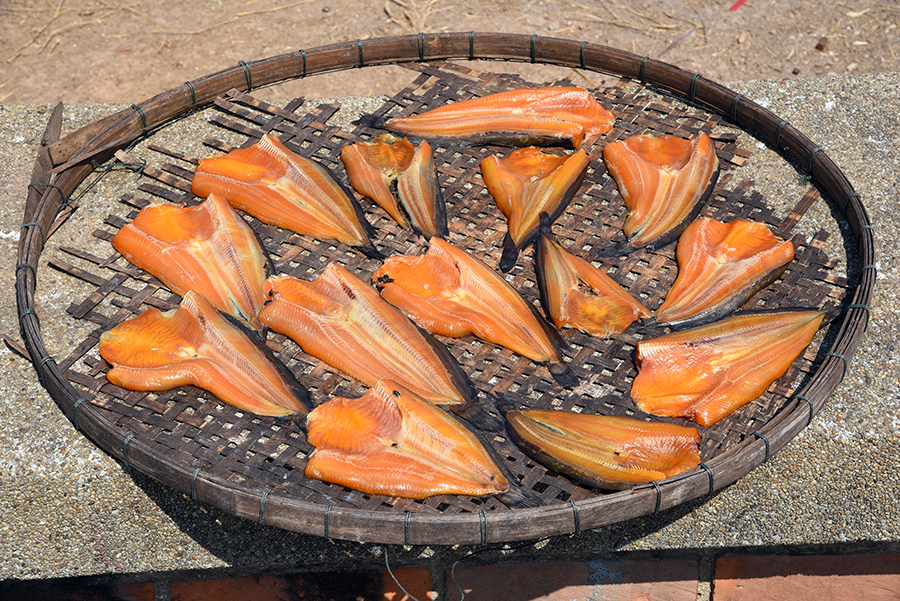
(207, 248)
(663, 180)
(374, 166)
(731, 261)
(527, 184)
(708, 372)
(608, 452)
(393, 442)
(344, 322)
(451, 293)
(279, 187)
(522, 117)
(606, 310)
(195, 344)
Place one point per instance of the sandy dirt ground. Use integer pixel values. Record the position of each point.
(96, 51)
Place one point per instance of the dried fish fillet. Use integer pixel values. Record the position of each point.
(195, 344)
(605, 451)
(393, 442)
(708, 372)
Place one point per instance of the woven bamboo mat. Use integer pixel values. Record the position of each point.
(189, 426)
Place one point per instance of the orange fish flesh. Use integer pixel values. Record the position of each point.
(282, 188)
(663, 180)
(575, 294)
(708, 372)
(605, 451)
(207, 248)
(374, 166)
(720, 266)
(344, 322)
(527, 184)
(392, 442)
(523, 117)
(195, 344)
(451, 293)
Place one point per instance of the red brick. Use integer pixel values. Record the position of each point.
(873, 577)
(608, 579)
(258, 588)
(416, 581)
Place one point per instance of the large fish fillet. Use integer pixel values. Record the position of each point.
(662, 180)
(575, 294)
(527, 184)
(282, 188)
(708, 372)
(605, 451)
(523, 117)
(195, 344)
(207, 248)
(385, 163)
(344, 322)
(449, 292)
(720, 266)
(392, 442)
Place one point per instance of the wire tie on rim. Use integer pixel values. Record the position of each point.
(141, 113)
(758, 434)
(533, 37)
(421, 43)
(125, 444)
(359, 50)
(29, 312)
(734, 107)
(40, 370)
(193, 92)
(247, 75)
(483, 518)
(194, 483)
(33, 273)
(658, 495)
(41, 227)
(471, 45)
(406, 528)
(868, 312)
(712, 482)
(871, 267)
(693, 91)
(812, 153)
(327, 521)
(842, 358)
(575, 517)
(808, 402)
(262, 507)
(583, 44)
(303, 56)
(778, 135)
(75, 413)
(643, 70)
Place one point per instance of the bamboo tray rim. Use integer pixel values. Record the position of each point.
(62, 164)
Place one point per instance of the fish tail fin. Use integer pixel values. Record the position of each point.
(563, 374)
(510, 254)
(519, 497)
(481, 417)
(370, 250)
(371, 121)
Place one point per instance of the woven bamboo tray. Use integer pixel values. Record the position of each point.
(252, 467)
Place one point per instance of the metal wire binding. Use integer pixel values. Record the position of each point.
(812, 153)
(643, 68)
(41, 227)
(262, 507)
(842, 358)
(778, 135)
(359, 50)
(406, 529)
(28, 311)
(303, 54)
(734, 107)
(327, 518)
(471, 45)
(193, 92)
(533, 37)
(75, 413)
(194, 483)
(63, 201)
(808, 402)
(483, 518)
(125, 444)
(868, 313)
(658, 495)
(758, 434)
(712, 482)
(575, 517)
(582, 54)
(141, 113)
(693, 91)
(40, 370)
(33, 272)
(247, 74)
(421, 42)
